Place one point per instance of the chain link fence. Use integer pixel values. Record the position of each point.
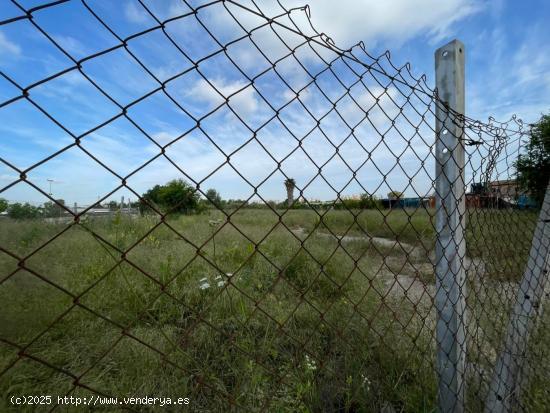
(326, 301)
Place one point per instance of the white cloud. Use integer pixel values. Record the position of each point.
(373, 21)
(304, 95)
(531, 65)
(516, 80)
(72, 45)
(244, 101)
(134, 13)
(8, 177)
(162, 138)
(8, 47)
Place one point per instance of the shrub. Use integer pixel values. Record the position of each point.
(23, 211)
(365, 202)
(176, 196)
(51, 209)
(370, 202)
(213, 198)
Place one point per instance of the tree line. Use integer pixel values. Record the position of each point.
(24, 210)
(178, 196)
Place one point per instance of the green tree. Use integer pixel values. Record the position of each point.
(3, 205)
(533, 167)
(370, 202)
(51, 209)
(23, 211)
(214, 198)
(175, 196)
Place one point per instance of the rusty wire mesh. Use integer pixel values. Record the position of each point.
(308, 305)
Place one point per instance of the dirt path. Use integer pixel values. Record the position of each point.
(396, 285)
(404, 283)
(380, 241)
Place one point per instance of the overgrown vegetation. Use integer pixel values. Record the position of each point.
(18, 210)
(260, 326)
(177, 196)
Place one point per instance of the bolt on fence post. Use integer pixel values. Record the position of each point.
(450, 247)
(507, 382)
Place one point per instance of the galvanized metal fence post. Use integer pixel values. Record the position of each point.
(450, 245)
(510, 366)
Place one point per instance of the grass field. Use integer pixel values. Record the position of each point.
(267, 313)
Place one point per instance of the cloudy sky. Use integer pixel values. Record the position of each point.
(254, 112)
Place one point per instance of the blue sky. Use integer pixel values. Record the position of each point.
(508, 71)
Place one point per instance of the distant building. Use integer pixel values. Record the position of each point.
(498, 194)
(508, 189)
(410, 202)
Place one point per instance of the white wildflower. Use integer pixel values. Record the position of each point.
(310, 363)
(204, 284)
(365, 380)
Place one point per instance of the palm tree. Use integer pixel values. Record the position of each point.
(290, 184)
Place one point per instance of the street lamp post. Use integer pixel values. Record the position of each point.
(50, 181)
